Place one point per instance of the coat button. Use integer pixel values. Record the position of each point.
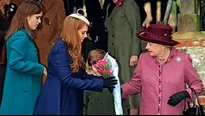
(100, 102)
(113, 36)
(112, 43)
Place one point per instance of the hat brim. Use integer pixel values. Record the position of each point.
(143, 36)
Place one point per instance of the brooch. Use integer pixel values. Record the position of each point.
(178, 59)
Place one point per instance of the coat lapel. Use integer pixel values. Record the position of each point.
(114, 11)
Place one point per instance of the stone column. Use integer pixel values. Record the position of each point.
(191, 40)
(188, 20)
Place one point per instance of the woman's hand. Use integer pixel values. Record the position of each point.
(177, 97)
(45, 72)
(109, 83)
(133, 60)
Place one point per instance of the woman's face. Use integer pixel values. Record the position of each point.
(34, 21)
(83, 32)
(154, 49)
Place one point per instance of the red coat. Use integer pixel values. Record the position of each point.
(157, 83)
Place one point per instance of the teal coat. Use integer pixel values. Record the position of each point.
(23, 72)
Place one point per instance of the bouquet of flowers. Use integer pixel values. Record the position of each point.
(109, 67)
(103, 68)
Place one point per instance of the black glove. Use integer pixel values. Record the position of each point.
(177, 97)
(110, 82)
(110, 89)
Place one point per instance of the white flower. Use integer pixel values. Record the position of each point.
(198, 60)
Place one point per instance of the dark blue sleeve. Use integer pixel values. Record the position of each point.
(61, 60)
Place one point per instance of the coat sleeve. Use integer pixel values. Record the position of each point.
(133, 86)
(17, 54)
(133, 16)
(191, 76)
(61, 65)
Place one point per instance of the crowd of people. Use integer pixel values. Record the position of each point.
(49, 49)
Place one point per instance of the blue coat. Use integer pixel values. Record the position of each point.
(62, 92)
(22, 82)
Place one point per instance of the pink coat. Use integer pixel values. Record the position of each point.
(157, 83)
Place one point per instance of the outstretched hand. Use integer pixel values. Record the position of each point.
(110, 82)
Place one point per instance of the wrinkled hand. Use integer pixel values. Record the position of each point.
(109, 83)
(133, 60)
(177, 97)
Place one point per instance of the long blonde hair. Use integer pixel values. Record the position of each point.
(93, 57)
(70, 36)
(27, 8)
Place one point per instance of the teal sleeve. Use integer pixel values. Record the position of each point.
(17, 54)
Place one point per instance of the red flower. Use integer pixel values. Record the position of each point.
(100, 70)
(103, 67)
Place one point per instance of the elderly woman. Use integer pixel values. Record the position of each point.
(162, 74)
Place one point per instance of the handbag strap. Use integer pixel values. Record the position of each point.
(199, 111)
(194, 99)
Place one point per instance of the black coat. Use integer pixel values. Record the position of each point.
(4, 26)
(87, 46)
(96, 16)
(70, 4)
(5, 20)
